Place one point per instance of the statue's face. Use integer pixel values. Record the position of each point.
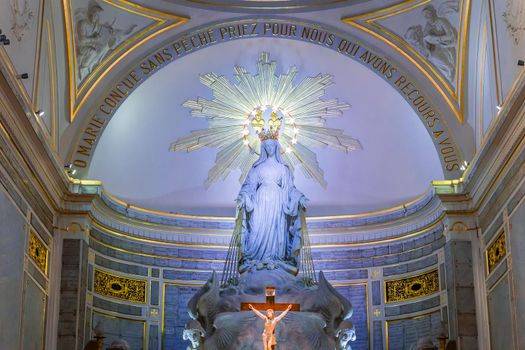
(193, 336)
(270, 146)
(430, 15)
(94, 14)
(345, 337)
(411, 35)
(269, 313)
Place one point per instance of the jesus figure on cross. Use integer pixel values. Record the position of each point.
(270, 321)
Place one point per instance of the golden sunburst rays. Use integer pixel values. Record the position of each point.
(237, 113)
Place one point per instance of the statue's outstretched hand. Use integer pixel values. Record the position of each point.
(241, 202)
(289, 307)
(303, 202)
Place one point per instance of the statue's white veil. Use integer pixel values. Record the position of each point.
(264, 153)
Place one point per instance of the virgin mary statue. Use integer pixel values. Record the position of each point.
(270, 207)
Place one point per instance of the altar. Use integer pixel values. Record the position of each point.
(269, 252)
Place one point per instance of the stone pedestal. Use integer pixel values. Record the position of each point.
(321, 323)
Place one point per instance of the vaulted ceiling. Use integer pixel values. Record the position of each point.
(128, 66)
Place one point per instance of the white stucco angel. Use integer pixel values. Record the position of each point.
(95, 40)
(436, 41)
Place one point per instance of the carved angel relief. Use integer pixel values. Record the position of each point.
(96, 39)
(436, 40)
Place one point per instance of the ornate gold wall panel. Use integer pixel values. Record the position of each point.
(120, 287)
(496, 252)
(411, 287)
(38, 252)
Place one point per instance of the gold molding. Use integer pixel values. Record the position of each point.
(481, 100)
(494, 51)
(51, 133)
(231, 218)
(120, 287)
(411, 287)
(163, 21)
(85, 159)
(247, 7)
(453, 96)
(154, 256)
(496, 252)
(155, 241)
(314, 246)
(38, 252)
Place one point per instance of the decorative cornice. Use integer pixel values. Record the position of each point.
(501, 154)
(420, 218)
(32, 166)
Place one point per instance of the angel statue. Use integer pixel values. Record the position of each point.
(270, 321)
(271, 209)
(194, 332)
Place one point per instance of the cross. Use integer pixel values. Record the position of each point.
(377, 313)
(270, 303)
(154, 312)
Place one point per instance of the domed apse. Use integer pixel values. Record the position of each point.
(397, 163)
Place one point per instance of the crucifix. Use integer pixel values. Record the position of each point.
(270, 303)
(270, 320)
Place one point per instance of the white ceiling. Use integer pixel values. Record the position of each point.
(397, 162)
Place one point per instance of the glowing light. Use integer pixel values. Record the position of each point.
(238, 103)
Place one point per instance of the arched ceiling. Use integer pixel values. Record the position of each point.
(64, 62)
(397, 162)
(405, 144)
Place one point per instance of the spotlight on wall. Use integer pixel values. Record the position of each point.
(22, 76)
(521, 63)
(69, 169)
(463, 166)
(40, 113)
